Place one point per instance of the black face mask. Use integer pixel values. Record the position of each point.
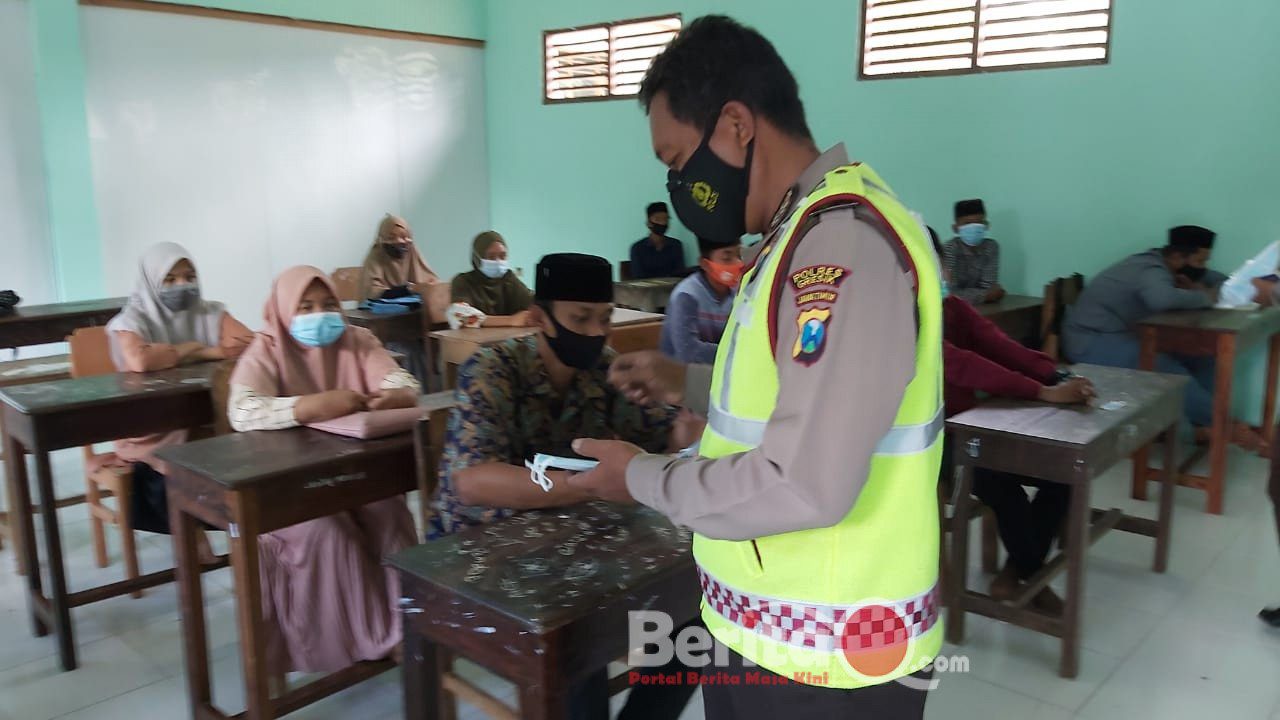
(710, 195)
(581, 352)
(395, 252)
(658, 228)
(1194, 274)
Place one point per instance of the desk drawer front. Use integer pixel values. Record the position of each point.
(342, 485)
(143, 415)
(1013, 454)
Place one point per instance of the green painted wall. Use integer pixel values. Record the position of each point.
(455, 18)
(1078, 166)
(64, 136)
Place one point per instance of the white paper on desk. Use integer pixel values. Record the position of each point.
(1238, 291)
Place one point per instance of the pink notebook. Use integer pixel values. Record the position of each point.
(371, 424)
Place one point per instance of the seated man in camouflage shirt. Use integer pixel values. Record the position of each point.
(537, 395)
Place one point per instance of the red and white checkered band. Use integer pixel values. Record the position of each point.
(825, 628)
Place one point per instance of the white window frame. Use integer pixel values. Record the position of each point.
(976, 52)
(610, 62)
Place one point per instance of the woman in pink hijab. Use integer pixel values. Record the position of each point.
(327, 600)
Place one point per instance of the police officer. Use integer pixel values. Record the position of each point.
(813, 501)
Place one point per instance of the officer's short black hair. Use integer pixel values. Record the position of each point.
(717, 59)
(654, 208)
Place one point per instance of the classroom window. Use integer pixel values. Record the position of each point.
(605, 61)
(947, 37)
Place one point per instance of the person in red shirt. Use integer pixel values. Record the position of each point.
(978, 357)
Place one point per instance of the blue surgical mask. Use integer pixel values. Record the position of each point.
(317, 329)
(972, 234)
(494, 269)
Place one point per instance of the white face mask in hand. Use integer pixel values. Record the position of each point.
(541, 463)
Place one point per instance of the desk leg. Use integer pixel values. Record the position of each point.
(195, 649)
(1168, 486)
(1269, 400)
(1226, 358)
(24, 531)
(57, 576)
(546, 699)
(958, 573)
(1141, 459)
(1077, 545)
(244, 563)
(15, 470)
(422, 670)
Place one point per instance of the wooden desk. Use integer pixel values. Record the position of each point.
(540, 598)
(404, 328)
(42, 417)
(21, 372)
(649, 295)
(1224, 334)
(1072, 446)
(1017, 315)
(249, 484)
(41, 324)
(458, 345)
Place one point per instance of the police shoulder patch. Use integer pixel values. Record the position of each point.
(811, 335)
(829, 275)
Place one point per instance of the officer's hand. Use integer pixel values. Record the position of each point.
(649, 378)
(608, 480)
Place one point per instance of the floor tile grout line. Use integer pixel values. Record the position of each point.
(1159, 618)
(113, 697)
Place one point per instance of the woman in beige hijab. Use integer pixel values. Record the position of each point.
(395, 268)
(394, 263)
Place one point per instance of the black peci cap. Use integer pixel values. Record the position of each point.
(970, 207)
(574, 277)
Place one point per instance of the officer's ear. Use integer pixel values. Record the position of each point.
(539, 315)
(741, 120)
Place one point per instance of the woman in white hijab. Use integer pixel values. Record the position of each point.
(166, 324)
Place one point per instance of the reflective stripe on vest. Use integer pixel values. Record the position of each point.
(869, 625)
(900, 440)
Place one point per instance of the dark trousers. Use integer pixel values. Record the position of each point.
(149, 506)
(1027, 526)
(589, 698)
(794, 701)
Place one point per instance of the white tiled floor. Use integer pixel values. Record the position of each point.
(1184, 644)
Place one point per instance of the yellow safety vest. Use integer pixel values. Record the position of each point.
(857, 603)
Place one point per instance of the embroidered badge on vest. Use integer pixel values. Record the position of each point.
(811, 335)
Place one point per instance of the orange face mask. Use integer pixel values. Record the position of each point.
(726, 275)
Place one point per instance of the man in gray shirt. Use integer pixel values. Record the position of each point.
(1099, 328)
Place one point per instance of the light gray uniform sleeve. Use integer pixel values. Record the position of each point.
(1159, 294)
(830, 414)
